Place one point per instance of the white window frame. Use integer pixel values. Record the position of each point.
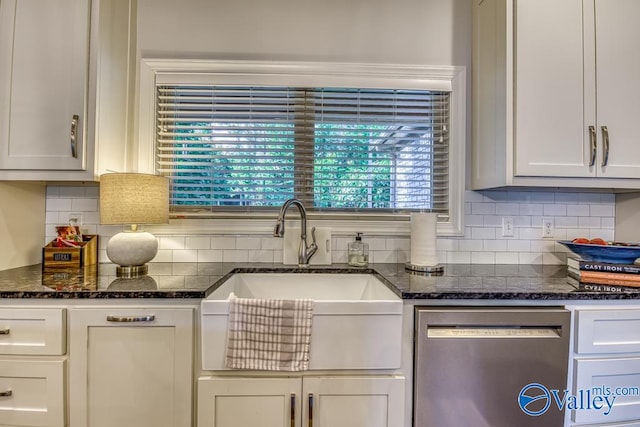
(309, 74)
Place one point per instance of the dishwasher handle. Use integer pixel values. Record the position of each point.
(483, 332)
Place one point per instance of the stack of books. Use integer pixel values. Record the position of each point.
(603, 276)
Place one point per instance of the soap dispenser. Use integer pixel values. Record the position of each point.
(358, 253)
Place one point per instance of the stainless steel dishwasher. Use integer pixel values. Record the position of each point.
(471, 365)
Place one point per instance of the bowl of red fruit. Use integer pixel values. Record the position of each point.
(600, 250)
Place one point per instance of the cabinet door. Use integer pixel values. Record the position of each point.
(242, 402)
(353, 401)
(618, 68)
(554, 95)
(44, 48)
(613, 378)
(130, 367)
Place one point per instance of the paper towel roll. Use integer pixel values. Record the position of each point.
(423, 239)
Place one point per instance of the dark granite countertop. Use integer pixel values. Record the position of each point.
(197, 280)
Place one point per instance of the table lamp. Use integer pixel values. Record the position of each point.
(133, 199)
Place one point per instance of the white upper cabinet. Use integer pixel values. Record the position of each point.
(44, 56)
(555, 90)
(64, 88)
(618, 84)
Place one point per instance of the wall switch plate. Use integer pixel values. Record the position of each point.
(547, 228)
(507, 226)
(292, 243)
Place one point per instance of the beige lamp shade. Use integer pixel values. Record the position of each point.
(134, 198)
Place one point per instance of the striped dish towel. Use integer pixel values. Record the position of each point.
(269, 334)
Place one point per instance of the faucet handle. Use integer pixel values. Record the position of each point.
(313, 247)
(313, 235)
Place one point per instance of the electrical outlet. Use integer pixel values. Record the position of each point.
(75, 218)
(507, 226)
(547, 227)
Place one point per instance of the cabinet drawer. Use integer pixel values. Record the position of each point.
(608, 331)
(32, 331)
(34, 393)
(615, 378)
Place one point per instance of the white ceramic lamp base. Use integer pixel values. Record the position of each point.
(131, 250)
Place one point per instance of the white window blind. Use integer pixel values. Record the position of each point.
(337, 149)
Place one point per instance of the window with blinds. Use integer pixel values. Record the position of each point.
(248, 148)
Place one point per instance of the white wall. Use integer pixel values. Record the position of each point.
(425, 32)
(22, 223)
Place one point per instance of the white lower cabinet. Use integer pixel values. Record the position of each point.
(320, 401)
(32, 366)
(130, 367)
(606, 367)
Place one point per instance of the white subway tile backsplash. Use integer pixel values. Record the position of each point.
(483, 257)
(566, 198)
(578, 210)
(589, 222)
(483, 233)
(71, 192)
(507, 258)
(82, 205)
(185, 255)
(519, 245)
(587, 198)
(575, 214)
(235, 255)
(474, 220)
(172, 242)
(260, 256)
(554, 210)
(458, 257)
(53, 204)
(507, 208)
(483, 208)
(197, 243)
(542, 197)
(531, 209)
(248, 243)
(209, 255)
(471, 245)
(529, 258)
(494, 245)
(601, 210)
(223, 243)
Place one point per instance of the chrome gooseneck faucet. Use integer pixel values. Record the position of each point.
(305, 252)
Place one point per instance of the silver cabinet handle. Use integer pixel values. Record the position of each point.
(5, 331)
(74, 135)
(6, 393)
(592, 143)
(292, 421)
(131, 319)
(310, 410)
(605, 145)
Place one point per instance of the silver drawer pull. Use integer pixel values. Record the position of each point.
(131, 319)
(5, 331)
(6, 393)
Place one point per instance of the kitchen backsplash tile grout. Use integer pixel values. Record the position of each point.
(575, 214)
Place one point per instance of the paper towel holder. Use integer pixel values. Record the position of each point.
(425, 269)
